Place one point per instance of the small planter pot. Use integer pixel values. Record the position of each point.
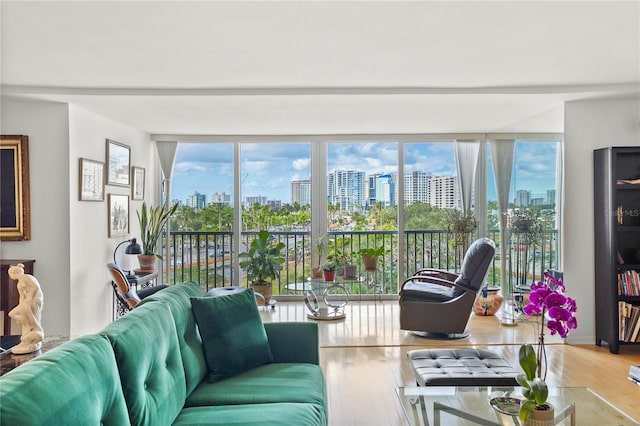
(370, 263)
(349, 271)
(541, 417)
(316, 273)
(329, 275)
(147, 262)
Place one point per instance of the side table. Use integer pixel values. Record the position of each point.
(9, 361)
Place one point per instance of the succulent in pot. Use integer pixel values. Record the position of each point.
(152, 221)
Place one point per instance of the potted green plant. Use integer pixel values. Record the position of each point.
(319, 246)
(263, 262)
(370, 256)
(152, 221)
(330, 267)
(549, 304)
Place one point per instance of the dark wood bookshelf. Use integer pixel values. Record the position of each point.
(617, 233)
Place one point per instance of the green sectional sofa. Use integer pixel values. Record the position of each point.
(149, 368)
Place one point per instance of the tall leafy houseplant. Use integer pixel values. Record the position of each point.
(152, 221)
(548, 302)
(263, 262)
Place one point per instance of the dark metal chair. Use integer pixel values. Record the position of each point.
(436, 303)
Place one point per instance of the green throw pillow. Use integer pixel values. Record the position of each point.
(232, 333)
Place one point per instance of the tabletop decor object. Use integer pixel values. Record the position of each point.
(557, 311)
(28, 312)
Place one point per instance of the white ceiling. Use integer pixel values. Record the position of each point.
(305, 67)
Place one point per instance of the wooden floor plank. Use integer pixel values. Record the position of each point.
(364, 359)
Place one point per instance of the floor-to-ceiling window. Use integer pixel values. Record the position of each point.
(244, 186)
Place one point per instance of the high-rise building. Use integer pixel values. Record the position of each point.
(346, 188)
(443, 192)
(301, 192)
(416, 187)
(523, 198)
(196, 201)
(385, 190)
(249, 202)
(551, 197)
(221, 198)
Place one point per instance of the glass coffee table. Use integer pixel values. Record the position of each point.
(450, 405)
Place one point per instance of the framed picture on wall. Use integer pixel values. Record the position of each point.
(118, 163)
(15, 214)
(118, 215)
(91, 180)
(137, 187)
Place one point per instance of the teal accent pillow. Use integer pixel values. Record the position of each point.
(232, 332)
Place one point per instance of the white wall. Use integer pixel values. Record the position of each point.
(69, 238)
(47, 125)
(588, 125)
(90, 246)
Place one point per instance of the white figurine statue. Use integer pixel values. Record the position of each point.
(28, 312)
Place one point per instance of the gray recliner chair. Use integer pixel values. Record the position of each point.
(437, 304)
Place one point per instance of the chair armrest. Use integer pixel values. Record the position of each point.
(294, 341)
(428, 280)
(148, 291)
(440, 273)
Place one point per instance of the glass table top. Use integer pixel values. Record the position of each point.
(450, 405)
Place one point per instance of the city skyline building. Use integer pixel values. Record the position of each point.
(301, 192)
(346, 188)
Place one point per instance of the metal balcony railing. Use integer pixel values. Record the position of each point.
(207, 258)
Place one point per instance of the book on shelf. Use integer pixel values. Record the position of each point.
(629, 283)
(628, 322)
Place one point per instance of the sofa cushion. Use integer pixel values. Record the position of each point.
(148, 355)
(232, 333)
(178, 298)
(427, 292)
(285, 382)
(75, 383)
(253, 414)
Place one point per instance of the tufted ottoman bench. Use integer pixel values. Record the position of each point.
(461, 367)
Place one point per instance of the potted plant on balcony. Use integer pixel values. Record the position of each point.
(319, 247)
(152, 221)
(330, 267)
(370, 256)
(263, 263)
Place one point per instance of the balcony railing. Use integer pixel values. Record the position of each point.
(207, 258)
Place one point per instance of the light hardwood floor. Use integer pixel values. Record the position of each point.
(364, 360)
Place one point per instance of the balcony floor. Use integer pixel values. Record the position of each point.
(364, 359)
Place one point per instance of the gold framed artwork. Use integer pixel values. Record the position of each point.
(118, 163)
(15, 214)
(118, 215)
(91, 180)
(137, 186)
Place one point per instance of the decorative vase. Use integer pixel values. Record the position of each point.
(370, 263)
(541, 417)
(147, 262)
(329, 275)
(266, 290)
(488, 301)
(316, 273)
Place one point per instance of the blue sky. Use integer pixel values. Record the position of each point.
(268, 168)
